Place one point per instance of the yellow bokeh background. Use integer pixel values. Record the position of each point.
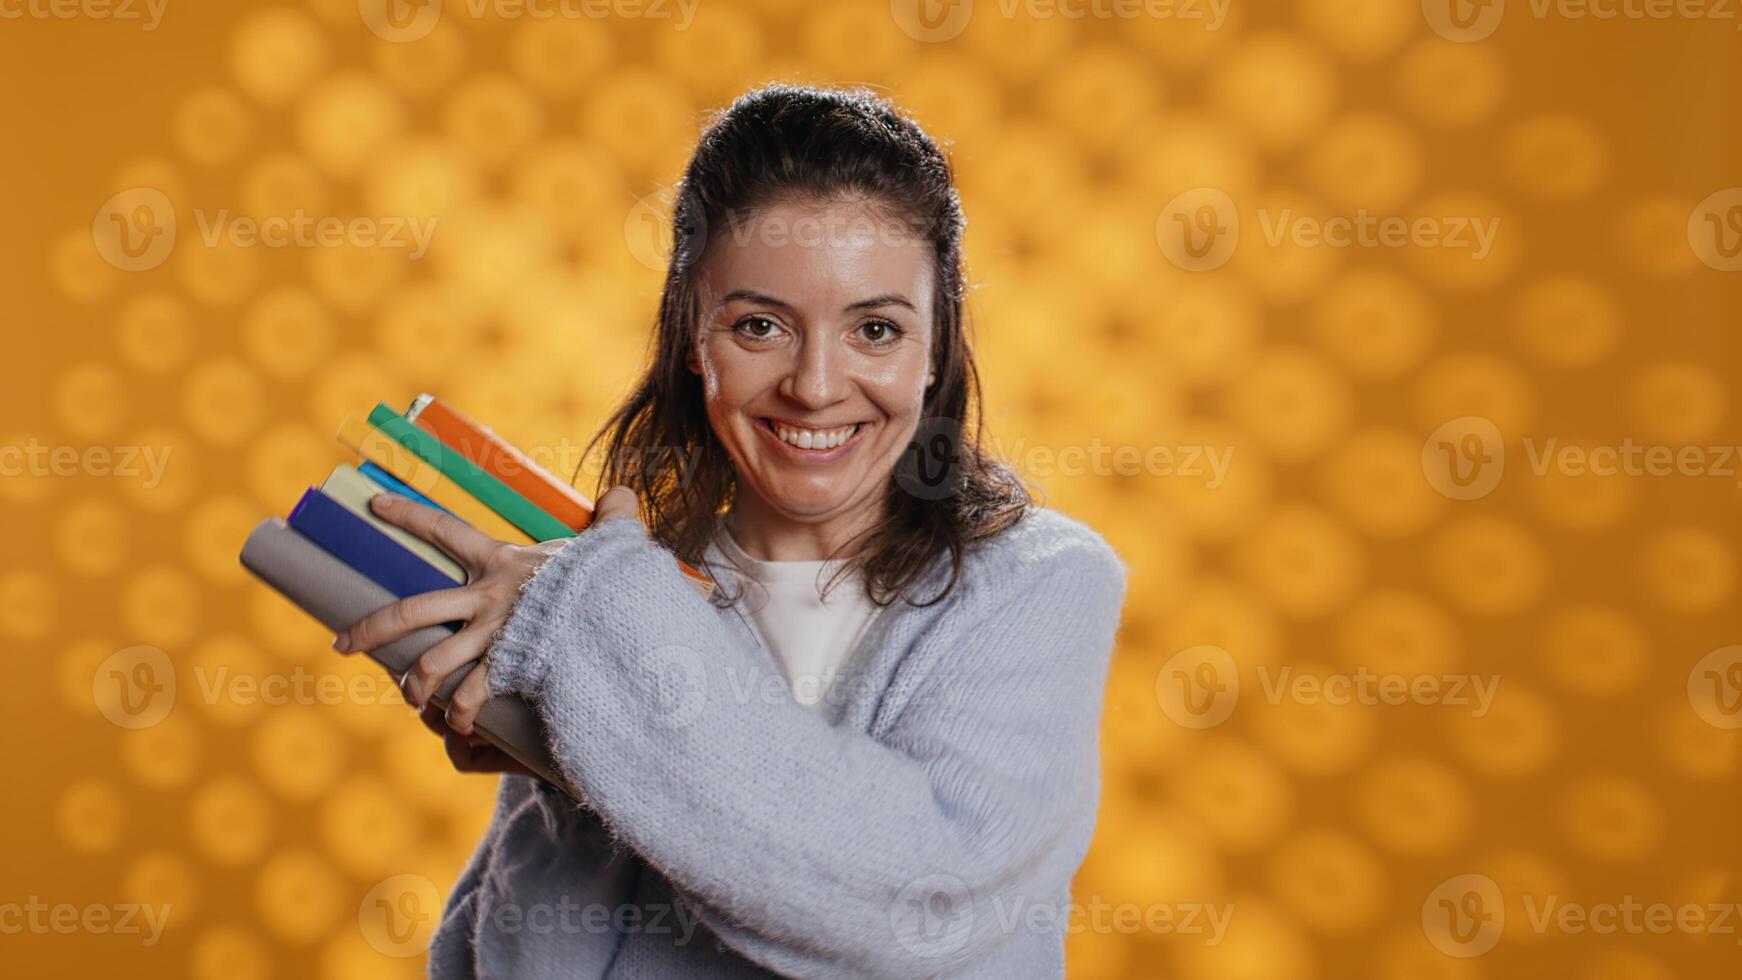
(1603, 152)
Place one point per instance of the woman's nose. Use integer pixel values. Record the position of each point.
(817, 377)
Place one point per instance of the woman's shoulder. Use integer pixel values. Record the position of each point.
(1045, 544)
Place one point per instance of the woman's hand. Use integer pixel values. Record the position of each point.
(495, 571)
(470, 753)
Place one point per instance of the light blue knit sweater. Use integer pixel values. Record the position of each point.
(925, 821)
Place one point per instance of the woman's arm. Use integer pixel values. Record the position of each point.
(817, 849)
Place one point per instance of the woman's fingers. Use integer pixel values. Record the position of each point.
(431, 671)
(412, 613)
(469, 753)
(474, 755)
(463, 705)
(466, 543)
(431, 716)
(617, 502)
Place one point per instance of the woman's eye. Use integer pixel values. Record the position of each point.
(758, 327)
(880, 331)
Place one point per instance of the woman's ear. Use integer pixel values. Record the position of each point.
(692, 357)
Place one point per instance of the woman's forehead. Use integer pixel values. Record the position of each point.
(819, 257)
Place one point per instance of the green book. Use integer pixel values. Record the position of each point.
(491, 492)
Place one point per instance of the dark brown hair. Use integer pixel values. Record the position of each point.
(785, 143)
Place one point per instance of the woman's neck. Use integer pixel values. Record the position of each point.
(768, 535)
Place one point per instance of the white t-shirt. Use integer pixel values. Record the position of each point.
(811, 639)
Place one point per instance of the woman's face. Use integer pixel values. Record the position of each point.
(814, 352)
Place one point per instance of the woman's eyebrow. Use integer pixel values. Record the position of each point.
(887, 299)
(755, 297)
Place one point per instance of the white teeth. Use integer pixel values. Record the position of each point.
(814, 438)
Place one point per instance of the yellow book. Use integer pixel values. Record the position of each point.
(352, 490)
(379, 448)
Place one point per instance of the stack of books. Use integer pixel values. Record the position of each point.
(338, 562)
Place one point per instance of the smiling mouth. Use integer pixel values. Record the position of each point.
(820, 441)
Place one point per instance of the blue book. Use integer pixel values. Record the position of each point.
(393, 484)
(359, 544)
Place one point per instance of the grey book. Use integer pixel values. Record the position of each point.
(338, 595)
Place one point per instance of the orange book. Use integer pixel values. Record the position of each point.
(497, 457)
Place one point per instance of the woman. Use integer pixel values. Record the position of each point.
(874, 752)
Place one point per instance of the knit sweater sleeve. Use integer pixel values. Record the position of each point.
(810, 849)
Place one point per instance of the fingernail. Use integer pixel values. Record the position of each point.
(378, 502)
(342, 642)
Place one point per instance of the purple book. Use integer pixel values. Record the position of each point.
(361, 545)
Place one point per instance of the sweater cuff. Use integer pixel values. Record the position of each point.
(520, 654)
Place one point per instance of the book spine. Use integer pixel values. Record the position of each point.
(374, 445)
(353, 492)
(358, 544)
(496, 495)
(339, 596)
(392, 484)
(500, 458)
